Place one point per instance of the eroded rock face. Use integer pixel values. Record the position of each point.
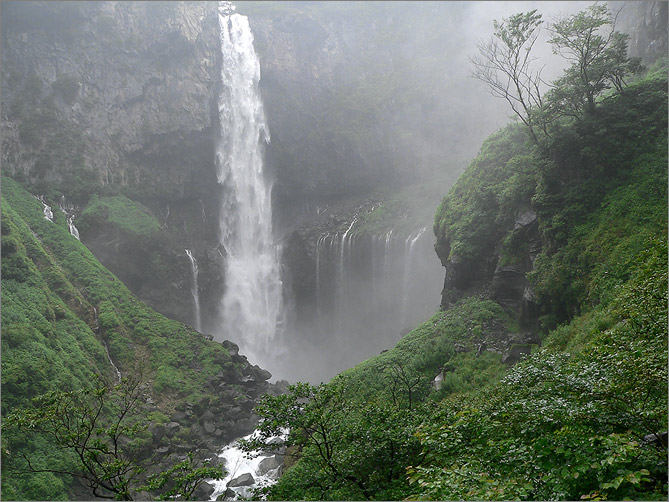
(646, 24)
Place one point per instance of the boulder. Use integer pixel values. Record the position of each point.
(203, 491)
(231, 347)
(269, 463)
(228, 495)
(157, 432)
(171, 429)
(245, 479)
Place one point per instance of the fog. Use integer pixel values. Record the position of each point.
(399, 75)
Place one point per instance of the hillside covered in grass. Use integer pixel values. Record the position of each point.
(66, 321)
(556, 257)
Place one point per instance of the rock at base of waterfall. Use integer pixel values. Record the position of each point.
(245, 479)
(203, 491)
(228, 495)
(268, 464)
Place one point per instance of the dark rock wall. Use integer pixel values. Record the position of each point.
(120, 97)
(647, 25)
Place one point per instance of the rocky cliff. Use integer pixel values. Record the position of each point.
(119, 98)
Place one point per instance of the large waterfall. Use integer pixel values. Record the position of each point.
(252, 302)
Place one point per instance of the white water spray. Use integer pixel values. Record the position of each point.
(252, 302)
(195, 289)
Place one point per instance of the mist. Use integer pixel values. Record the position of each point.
(363, 97)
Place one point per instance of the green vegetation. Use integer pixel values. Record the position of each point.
(102, 427)
(52, 290)
(581, 418)
(120, 211)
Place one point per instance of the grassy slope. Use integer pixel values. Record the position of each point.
(51, 288)
(569, 421)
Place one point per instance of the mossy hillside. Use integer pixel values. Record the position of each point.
(571, 421)
(406, 209)
(129, 324)
(612, 164)
(52, 290)
(118, 210)
(449, 339)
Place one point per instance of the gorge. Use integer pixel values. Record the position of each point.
(275, 215)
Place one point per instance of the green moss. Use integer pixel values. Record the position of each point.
(51, 288)
(128, 215)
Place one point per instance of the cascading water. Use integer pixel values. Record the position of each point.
(48, 214)
(368, 291)
(252, 302)
(195, 289)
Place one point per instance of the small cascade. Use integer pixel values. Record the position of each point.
(342, 276)
(409, 245)
(118, 372)
(369, 289)
(104, 343)
(244, 474)
(195, 290)
(48, 214)
(70, 225)
(319, 243)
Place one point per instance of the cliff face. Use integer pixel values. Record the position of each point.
(646, 24)
(119, 97)
(529, 229)
(361, 95)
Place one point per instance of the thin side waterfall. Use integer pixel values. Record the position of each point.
(70, 225)
(252, 303)
(195, 290)
(409, 245)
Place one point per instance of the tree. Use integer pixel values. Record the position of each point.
(505, 65)
(598, 57)
(347, 449)
(101, 426)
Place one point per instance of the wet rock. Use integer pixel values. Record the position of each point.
(201, 406)
(245, 479)
(231, 347)
(268, 464)
(179, 416)
(203, 491)
(228, 495)
(515, 352)
(508, 287)
(157, 432)
(171, 429)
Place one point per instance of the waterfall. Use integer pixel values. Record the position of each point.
(48, 214)
(341, 283)
(259, 471)
(252, 301)
(195, 290)
(409, 245)
(70, 224)
(116, 370)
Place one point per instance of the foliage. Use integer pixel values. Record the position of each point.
(598, 60)
(182, 479)
(118, 210)
(101, 425)
(52, 288)
(352, 451)
(563, 426)
(472, 216)
(505, 65)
